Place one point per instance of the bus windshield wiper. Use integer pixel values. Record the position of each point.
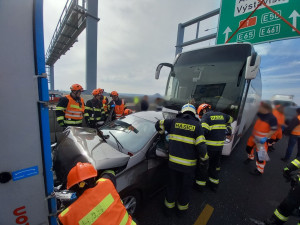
(117, 141)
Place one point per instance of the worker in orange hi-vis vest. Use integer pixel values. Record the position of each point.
(265, 126)
(98, 202)
(70, 109)
(117, 104)
(293, 130)
(278, 112)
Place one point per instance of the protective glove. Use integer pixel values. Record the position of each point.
(282, 128)
(113, 106)
(263, 140)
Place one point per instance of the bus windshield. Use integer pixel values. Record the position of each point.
(213, 75)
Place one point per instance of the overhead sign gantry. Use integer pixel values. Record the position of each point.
(258, 21)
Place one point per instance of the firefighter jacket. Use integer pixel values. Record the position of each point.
(215, 125)
(119, 109)
(70, 111)
(96, 110)
(293, 127)
(186, 142)
(100, 205)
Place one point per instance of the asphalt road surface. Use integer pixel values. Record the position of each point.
(241, 199)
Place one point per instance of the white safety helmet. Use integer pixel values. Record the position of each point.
(188, 108)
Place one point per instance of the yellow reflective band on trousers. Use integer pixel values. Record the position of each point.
(280, 216)
(97, 211)
(88, 108)
(169, 205)
(183, 207)
(201, 183)
(73, 121)
(200, 139)
(296, 163)
(214, 143)
(214, 180)
(86, 114)
(183, 139)
(182, 161)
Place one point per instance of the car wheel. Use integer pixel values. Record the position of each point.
(132, 202)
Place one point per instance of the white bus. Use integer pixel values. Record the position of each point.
(225, 76)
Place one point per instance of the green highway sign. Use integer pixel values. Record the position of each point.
(264, 25)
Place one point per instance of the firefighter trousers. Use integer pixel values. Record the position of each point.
(211, 174)
(178, 189)
(287, 206)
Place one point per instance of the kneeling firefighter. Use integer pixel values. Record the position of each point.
(186, 146)
(216, 127)
(292, 201)
(98, 202)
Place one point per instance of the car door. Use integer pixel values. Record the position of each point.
(157, 167)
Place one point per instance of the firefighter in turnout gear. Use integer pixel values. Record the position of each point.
(186, 147)
(70, 109)
(116, 104)
(292, 201)
(98, 202)
(216, 127)
(265, 126)
(96, 108)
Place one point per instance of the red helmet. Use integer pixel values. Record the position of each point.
(96, 92)
(76, 87)
(127, 112)
(202, 107)
(114, 93)
(79, 173)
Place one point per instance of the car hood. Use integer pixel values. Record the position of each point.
(84, 145)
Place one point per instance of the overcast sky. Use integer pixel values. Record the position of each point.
(134, 36)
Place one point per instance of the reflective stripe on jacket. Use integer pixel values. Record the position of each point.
(74, 111)
(214, 125)
(100, 205)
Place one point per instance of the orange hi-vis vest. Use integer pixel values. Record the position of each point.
(100, 205)
(296, 130)
(74, 111)
(119, 109)
(279, 116)
(261, 128)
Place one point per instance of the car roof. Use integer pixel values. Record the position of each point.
(152, 116)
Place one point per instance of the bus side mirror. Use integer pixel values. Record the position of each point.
(161, 65)
(252, 66)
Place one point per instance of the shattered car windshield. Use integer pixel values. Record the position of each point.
(131, 131)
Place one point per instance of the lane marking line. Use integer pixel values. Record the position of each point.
(204, 215)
